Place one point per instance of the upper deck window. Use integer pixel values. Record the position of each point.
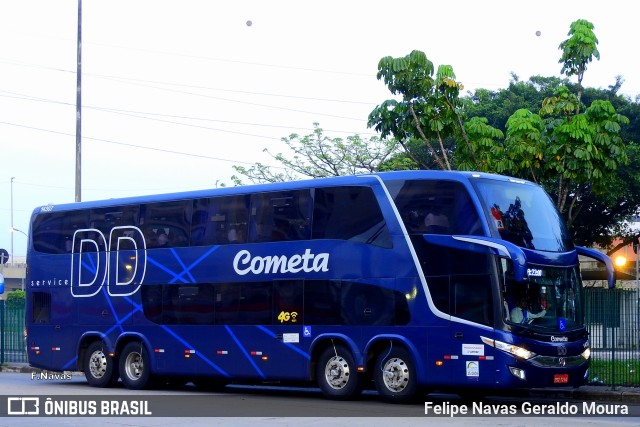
(349, 213)
(342, 213)
(435, 207)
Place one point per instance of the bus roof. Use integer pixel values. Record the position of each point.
(363, 179)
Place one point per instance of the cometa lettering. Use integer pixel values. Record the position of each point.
(245, 263)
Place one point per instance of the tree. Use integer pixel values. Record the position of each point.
(497, 106)
(429, 109)
(603, 214)
(573, 152)
(550, 137)
(579, 50)
(317, 155)
(16, 299)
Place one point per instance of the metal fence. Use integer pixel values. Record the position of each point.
(613, 322)
(612, 318)
(12, 339)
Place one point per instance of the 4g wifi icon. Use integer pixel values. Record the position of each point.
(286, 316)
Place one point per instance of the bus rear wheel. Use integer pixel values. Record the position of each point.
(395, 375)
(337, 374)
(100, 369)
(135, 367)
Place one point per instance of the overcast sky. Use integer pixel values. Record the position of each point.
(176, 92)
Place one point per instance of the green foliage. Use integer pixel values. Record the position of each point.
(570, 152)
(562, 103)
(525, 145)
(429, 109)
(579, 49)
(16, 298)
(600, 209)
(317, 155)
(411, 76)
(540, 129)
(485, 142)
(498, 106)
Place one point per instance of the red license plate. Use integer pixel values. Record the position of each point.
(561, 378)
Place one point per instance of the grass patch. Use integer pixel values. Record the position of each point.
(616, 373)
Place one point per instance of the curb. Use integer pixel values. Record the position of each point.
(592, 393)
(619, 394)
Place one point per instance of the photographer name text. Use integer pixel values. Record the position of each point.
(526, 408)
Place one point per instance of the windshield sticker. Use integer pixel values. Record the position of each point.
(497, 217)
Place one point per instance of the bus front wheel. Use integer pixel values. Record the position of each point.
(100, 369)
(395, 375)
(135, 366)
(337, 374)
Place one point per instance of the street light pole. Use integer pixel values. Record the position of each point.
(79, 108)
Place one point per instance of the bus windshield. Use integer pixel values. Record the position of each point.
(523, 214)
(549, 300)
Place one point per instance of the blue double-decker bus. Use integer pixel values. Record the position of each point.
(403, 281)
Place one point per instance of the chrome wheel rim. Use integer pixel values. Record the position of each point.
(98, 364)
(337, 372)
(395, 375)
(134, 365)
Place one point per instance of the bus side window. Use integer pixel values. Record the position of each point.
(280, 216)
(53, 232)
(219, 220)
(349, 213)
(170, 221)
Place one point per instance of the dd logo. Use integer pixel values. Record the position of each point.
(120, 261)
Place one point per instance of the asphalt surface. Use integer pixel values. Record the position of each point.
(587, 392)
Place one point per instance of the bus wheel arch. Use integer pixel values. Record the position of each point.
(135, 365)
(336, 371)
(100, 367)
(394, 374)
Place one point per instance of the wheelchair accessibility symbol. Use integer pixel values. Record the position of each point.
(306, 331)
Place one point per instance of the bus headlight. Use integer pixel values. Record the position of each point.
(519, 352)
(586, 354)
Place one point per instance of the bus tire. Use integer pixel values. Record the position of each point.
(395, 375)
(100, 369)
(337, 374)
(135, 367)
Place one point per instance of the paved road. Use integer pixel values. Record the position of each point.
(268, 406)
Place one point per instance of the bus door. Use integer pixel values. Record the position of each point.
(472, 312)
